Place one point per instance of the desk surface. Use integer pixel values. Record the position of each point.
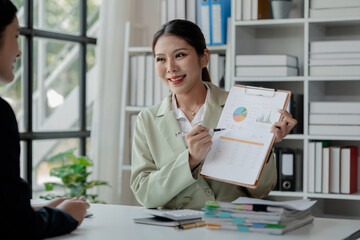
(116, 222)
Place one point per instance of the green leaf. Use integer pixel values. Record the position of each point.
(62, 155)
(94, 183)
(61, 172)
(82, 178)
(84, 161)
(49, 186)
(77, 168)
(70, 179)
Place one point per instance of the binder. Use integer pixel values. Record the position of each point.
(277, 162)
(334, 183)
(349, 169)
(205, 20)
(298, 170)
(219, 13)
(191, 10)
(248, 116)
(180, 10)
(287, 170)
(311, 168)
(326, 170)
(171, 10)
(149, 80)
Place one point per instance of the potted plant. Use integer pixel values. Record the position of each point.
(73, 175)
(280, 8)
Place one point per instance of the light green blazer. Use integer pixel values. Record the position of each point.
(161, 176)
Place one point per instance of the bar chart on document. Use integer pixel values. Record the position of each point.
(238, 153)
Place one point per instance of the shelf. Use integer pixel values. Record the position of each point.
(329, 137)
(295, 137)
(336, 21)
(272, 23)
(213, 48)
(334, 78)
(355, 196)
(270, 79)
(286, 194)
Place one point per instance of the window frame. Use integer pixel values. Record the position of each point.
(29, 135)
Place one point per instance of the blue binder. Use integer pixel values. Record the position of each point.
(219, 13)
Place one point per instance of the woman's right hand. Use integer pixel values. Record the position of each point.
(75, 207)
(199, 142)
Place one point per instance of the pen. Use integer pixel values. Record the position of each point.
(181, 134)
(191, 225)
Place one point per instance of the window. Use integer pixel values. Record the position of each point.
(49, 93)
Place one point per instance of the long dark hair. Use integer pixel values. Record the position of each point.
(7, 14)
(188, 31)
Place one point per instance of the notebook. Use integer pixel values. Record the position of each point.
(171, 218)
(161, 221)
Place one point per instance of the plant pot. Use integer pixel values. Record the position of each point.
(280, 9)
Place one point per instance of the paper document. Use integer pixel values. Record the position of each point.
(239, 153)
(299, 205)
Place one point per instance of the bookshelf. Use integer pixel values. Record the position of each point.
(293, 36)
(275, 36)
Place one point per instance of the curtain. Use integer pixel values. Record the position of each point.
(106, 114)
(144, 16)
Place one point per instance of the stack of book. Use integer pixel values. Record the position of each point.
(334, 58)
(266, 65)
(257, 215)
(334, 8)
(334, 118)
(332, 169)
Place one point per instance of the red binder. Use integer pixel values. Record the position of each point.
(349, 170)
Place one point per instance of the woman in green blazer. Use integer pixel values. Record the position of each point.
(165, 168)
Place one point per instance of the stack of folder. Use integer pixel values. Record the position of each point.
(256, 215)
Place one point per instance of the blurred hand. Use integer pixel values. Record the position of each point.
(56, 202)
(198, 141)
(75, 207)
(284, 126)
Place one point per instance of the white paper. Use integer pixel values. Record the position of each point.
(238, 153)
(300, 205)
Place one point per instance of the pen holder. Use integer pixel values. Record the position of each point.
(280, 8)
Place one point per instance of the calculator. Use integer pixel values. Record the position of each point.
(182, 214)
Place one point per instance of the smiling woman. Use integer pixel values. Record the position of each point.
(165, 168)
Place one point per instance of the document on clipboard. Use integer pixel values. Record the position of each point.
(238, 155)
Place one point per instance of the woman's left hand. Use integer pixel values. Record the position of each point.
(284, 126)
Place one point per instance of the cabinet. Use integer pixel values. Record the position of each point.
(293, 36)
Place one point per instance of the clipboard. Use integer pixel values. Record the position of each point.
(239, 154)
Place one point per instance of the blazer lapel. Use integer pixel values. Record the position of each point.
(214, 106)
(168, 126)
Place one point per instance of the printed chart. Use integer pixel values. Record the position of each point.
(240, 114)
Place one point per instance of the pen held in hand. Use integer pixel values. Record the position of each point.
(181, 134)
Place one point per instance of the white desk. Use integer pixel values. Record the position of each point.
(115, 222)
